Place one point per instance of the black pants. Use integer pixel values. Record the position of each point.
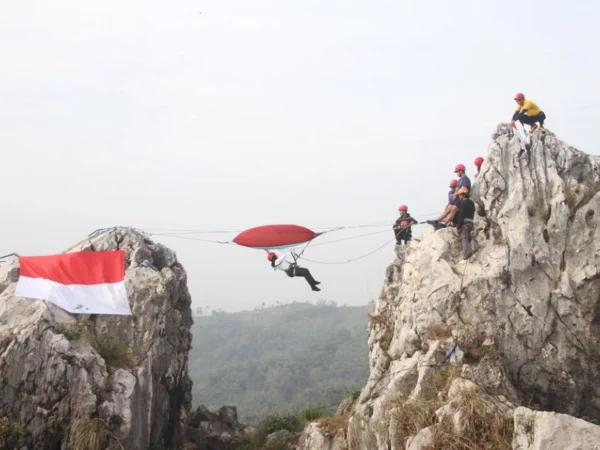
(302, 272)
(402, 235)
(531, 120)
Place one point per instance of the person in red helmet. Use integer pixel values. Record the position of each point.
(453, 184)
(292, 269)
(437, 224)
(463, 179)
(478, 162)
(528, 112)
(462, 219)
(402, 226)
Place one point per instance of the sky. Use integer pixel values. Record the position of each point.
(224, 115)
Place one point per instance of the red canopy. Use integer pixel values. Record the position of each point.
(274, 236)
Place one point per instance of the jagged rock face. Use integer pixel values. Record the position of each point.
(128, 373)
(540, 430)
(524, 312)
(216, 431)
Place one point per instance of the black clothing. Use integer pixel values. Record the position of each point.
(529, 120)
(466, 210)
(402, 228)
(295, 271)
(436, 224)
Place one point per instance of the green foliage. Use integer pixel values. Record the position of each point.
(112, 351)
(309, 414)
(284, 358)
(10, 433)
(274, 422)
(353, 394)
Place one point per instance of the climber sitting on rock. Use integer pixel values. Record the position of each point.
(463, 221)
(402, 226)
(528, 112)
(292, 269)
(449, 212)
(437, 223)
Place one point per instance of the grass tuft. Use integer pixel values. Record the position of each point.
(484, 426)
(88, 433)
(113, 352)
(438, 331)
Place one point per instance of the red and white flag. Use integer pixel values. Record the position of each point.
(81, 283)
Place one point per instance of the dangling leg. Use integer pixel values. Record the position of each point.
(302, 272)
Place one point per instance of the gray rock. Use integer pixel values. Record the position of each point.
(540, 430)
(520, 321)
(216, 431)
(54, 381)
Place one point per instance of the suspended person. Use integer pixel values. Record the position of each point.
(292, 269)
(528, 112)
(402, 226)
(463, 221)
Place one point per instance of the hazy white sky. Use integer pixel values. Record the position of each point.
(320, 113)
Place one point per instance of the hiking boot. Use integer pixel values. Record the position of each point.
(317, 282)
(315, 288)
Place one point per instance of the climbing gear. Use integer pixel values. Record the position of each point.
(453, 183)
(519, 96)
(459, 168)
(478, 161)
(403, 208)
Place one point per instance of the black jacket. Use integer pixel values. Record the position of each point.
(466, 210)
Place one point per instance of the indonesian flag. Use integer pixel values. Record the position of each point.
(81, 282)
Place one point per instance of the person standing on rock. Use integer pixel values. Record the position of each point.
(292, 270)
(478, 162)
(463, 221)
(402, 226)
(528, 112)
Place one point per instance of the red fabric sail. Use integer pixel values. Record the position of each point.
(274, 236)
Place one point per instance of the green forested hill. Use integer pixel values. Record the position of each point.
(282, 358)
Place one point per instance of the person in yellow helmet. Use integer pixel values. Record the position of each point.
(528, 112)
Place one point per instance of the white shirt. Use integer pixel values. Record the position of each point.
(281, 263)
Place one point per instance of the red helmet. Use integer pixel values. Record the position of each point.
(453, 183)
(459, 168)
(519, 96)
(478, 161)
(271, 256)
(403, 208)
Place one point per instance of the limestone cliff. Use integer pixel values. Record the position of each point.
(102, 381)
(455, 348)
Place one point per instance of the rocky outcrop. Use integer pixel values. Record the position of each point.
(121, 380)
(538, 430)
(216, 431)
(455, 346)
